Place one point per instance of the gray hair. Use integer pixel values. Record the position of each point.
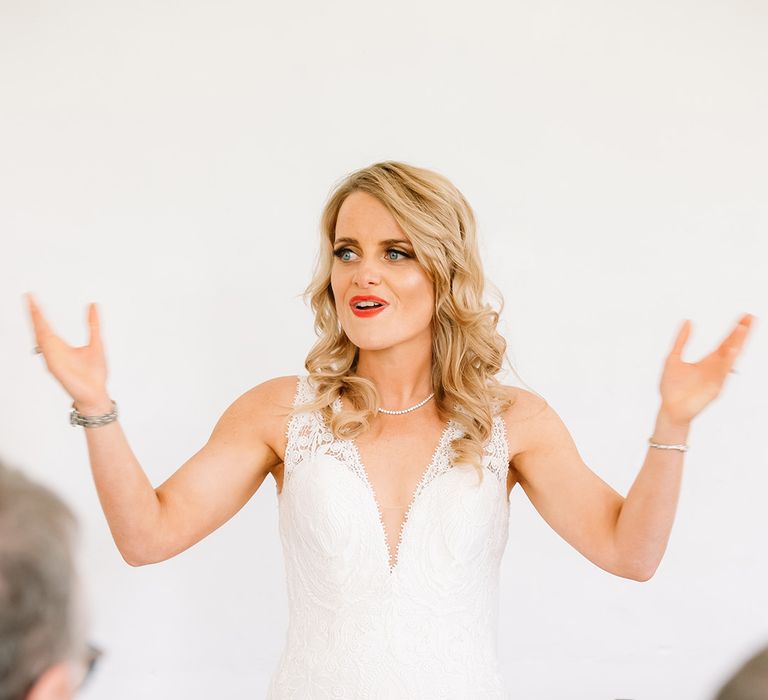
(750, 681)
(39, 607)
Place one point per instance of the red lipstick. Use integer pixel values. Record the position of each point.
(367, 310)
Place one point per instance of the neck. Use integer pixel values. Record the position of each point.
(402, 376)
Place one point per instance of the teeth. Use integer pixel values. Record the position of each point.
(366, 304)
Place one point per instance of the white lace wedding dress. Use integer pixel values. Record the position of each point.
(363, 626)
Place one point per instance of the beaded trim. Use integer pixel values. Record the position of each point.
(307, 433)
(426, 477)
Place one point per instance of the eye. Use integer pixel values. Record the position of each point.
(341, 252)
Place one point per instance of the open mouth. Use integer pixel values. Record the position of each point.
(367, 307)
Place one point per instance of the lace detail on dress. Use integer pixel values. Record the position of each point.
(496, 458)
(425, 627)
(305, 433)
(439, 462)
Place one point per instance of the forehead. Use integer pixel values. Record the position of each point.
(364, 218)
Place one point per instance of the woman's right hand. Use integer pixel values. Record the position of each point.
(81, 371)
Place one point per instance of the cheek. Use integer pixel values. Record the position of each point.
(336, 283)
(419, 292)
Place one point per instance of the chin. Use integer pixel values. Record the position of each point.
(372, 342)
(371, 346)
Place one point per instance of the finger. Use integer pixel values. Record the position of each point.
(731, 346)
(739, 333)
(43, 331)
(682, 339)
(94, 328)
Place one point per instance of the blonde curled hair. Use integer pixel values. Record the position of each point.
(467, 350)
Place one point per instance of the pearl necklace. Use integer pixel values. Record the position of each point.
(406, 410)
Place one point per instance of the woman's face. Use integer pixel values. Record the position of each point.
(374, 258)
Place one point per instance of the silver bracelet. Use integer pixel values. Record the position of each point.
(682, 448)
(77, 418)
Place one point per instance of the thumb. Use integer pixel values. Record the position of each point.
(94, 335)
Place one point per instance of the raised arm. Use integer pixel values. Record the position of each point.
(148, 524)
(220, 479)
(625, 536)
(151, 525)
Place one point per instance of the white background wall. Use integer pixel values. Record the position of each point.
(169, 160)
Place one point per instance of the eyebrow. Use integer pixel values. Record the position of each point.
(386, 242)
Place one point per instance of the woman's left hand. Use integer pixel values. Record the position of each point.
(687, 387)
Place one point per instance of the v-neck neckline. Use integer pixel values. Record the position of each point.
(361, 469)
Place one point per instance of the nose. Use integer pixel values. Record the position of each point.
(366, 273)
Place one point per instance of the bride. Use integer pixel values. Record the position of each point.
(393, 456)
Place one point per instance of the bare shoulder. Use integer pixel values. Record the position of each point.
(526, 406)
(520, 419)
(543, 440)
(274, 395)
(262, 412)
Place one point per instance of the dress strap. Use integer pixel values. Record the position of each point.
(307, 432)
(496, 457)
(299, 428)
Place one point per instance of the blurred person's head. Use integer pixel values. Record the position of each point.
(750, 681)
(43, 654)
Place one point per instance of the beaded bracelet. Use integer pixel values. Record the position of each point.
(682, 448)
(77, 418)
